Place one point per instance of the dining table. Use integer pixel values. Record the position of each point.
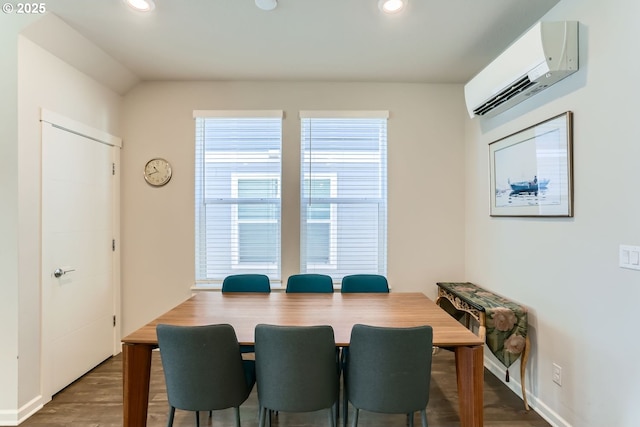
(341, 311)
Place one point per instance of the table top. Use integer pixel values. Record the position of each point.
(245, 310)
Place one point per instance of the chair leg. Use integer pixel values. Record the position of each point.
(332, 416)
(237, 411)
(197, 419)
(345, 387)
(264, 418)
(345, 405)
(423, 414)
(172, 413)
(410, 419)
(356, 412)
(345, 412)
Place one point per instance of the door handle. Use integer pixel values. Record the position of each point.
(58, 272)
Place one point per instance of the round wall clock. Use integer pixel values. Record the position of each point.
(157, 172)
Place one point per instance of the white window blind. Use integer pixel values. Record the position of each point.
(237, 193)
(343, 213)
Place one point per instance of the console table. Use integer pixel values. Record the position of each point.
(502, 323)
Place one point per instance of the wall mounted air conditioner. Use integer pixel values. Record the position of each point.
(545, 54)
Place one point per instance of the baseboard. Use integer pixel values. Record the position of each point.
(14, 418)
(540, 407)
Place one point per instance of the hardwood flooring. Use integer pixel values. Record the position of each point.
(95, 400)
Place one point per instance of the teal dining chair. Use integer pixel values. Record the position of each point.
(310, 282)
(364, 283)
(246, 283)
(361, 283)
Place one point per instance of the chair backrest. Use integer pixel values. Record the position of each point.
(364, 283)
(296, 367)
(203, 368)
(310, 282)
(389, 369)
(246, 283)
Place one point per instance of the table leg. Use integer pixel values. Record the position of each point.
(470, 375)
(136, 363)
(523, 365)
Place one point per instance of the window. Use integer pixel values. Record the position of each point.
(254, 226)
(343, 213)
(237, 193)
(321, 230)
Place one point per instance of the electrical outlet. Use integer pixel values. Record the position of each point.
(557, 374)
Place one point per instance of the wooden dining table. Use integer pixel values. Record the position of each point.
(246, 310)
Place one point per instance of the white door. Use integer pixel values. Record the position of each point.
(78, 283)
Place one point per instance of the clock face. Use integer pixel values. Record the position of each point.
(157, 172)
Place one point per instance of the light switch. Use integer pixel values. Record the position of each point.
(629, 257)
(625, 257)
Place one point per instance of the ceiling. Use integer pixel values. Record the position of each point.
(431, 41)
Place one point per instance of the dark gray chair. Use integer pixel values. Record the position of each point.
(388, 370)
(297, 370)
(364, 283)
(310, 282)
(246, 283)
(203, 369)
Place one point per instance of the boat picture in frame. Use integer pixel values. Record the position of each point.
(531, 170)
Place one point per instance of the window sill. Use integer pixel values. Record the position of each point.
(217, 287)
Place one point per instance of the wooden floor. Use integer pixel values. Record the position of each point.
(95, 400)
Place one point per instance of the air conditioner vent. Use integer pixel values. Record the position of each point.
(513, 90)
(542, 56)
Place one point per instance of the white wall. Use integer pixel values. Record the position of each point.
(9, 214)
(10, 27)
(425, 180)
(582, 306)
(41, 81)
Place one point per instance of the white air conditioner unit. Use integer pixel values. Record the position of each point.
(545, 54)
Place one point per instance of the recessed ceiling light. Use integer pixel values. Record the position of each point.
(141, 5)
(391, 6)
(267, 4)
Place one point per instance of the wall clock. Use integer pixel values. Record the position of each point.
(157, 172)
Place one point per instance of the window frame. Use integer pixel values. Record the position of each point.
(203, 258)
(349, 155)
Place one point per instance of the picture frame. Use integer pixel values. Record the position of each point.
(531, 170)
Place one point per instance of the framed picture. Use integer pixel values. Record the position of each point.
(531, 170)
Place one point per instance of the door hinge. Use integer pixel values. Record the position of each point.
(114, 320)
(113, 245)
(113, 168)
